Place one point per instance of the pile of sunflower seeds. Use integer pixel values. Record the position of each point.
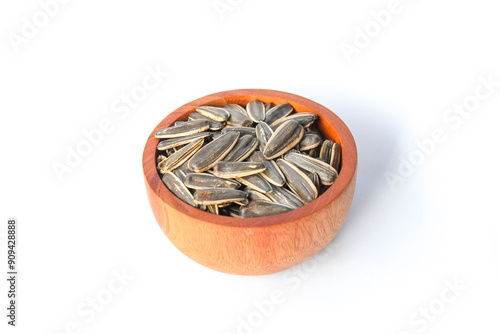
(247, 162)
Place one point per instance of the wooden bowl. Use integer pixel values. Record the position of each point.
(254, 246)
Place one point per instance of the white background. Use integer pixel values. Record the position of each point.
(400, 247)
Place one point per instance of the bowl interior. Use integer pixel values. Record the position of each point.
(329, 125)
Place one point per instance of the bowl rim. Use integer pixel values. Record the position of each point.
(348, 170)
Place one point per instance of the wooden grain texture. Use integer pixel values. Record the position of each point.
(254, 246)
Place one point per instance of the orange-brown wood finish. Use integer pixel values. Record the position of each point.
(254, 246)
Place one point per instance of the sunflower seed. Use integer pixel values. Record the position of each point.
(180, 174)
(327, 174)
(214, 113)
(298, 182)
(315, 179)
(269, 106)
(285, 197)
(278, 111)
(213, 152)
(286, 136)
(326, 151)
(213, 125)
(256, 111)
(255, 195)
(336, 160)
(272, 173)
(309, 141)
(178, 188)
(236, 107)
(179, 157)
(244, 147)
(263, 133)
(259, 209)
(175, 142)
(237, 118)
(314, 153)
(256, 182)
(208, 181)
(218, 196)
(229, 170)
(304, 118)
(183, 130)
(241, 129)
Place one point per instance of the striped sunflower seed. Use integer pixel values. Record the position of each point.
(175, 142)
(260, 209)
(208, 181)
(177, 187)
(272, 173)
(314, 177)
(213, 152)
(256, 182)
(236, 107)
(298, 182)
(256, 111)
(263, 132)
(309, 141)
(179, 157)
(285, 197)
(327, 174)
(228, 170)
(237, 118)
(286, 136)
(218, 196)
(241, 129)
(277, 112)
(212, 125)
(214, 113)
(304, 118)
(269, 106)
(244, 147)
(254, 195)
(184, 129)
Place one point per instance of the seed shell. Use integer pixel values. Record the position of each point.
(228, 170)
(208, 181)
(286, 136)
(213, 152)
(175, 185)
(298, 182)
(214, 113)
(327, 174)
(184, 129)
(218, 196)
(256, 111)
